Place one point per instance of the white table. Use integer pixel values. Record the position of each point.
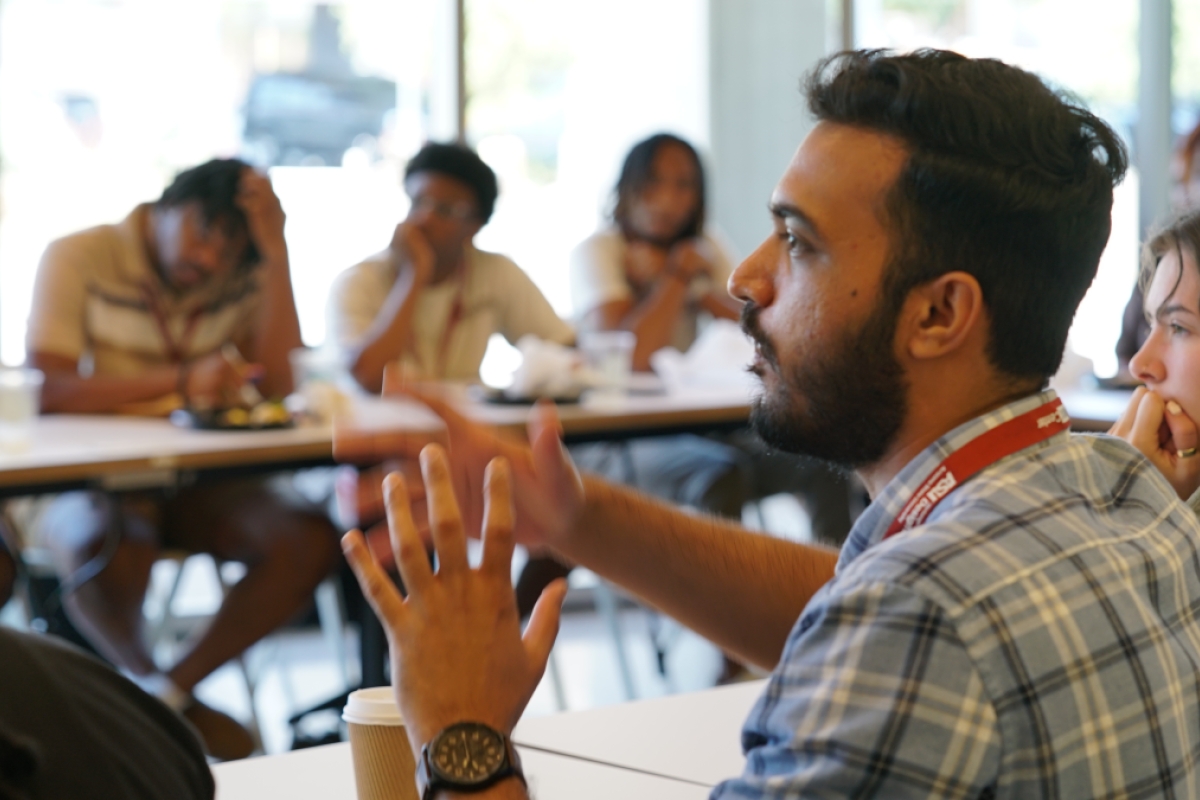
(117, 452)
(670, 747)
(327, 773)
(694, 736)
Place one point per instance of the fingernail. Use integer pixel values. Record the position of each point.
(1174, 408)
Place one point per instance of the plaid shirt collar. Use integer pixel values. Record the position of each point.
(871, 526)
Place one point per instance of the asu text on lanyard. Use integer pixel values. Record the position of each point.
(1005, 439)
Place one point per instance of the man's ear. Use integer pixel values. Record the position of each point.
(941, 316)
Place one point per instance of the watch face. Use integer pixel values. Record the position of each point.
(467, 753)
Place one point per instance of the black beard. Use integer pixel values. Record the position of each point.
(845, 405)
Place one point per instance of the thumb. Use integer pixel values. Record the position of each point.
(1144, 433)
(551, 461)
(542, 629)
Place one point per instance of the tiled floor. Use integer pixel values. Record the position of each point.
(297, 669)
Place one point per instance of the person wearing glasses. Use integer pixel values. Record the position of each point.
(431, 300)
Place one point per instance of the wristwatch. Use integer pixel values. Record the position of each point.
(466, 757)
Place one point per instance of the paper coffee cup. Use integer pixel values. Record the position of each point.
(383, 761)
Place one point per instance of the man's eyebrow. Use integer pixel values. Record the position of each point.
(790, 213)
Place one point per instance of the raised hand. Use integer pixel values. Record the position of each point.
(689, 260)
(549, 493)
(216, 382)
(457, 651)
(644, 262)
(264, 214)
(412, 250)
(1166, 435)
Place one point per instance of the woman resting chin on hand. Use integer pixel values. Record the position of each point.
(1160, 419)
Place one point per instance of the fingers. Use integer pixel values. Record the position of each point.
(445, 521)
(542, 629)
(411, 558)
(378, 588)
(550, 457)
(356, 445)
(498, 519)
(1124, 424)
(1147, 422)
(1184, 436)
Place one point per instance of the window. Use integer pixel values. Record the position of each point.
(105, 100)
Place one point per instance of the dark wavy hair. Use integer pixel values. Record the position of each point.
(1006, 179)
(635, 174)
(213, 186)
(464, 164)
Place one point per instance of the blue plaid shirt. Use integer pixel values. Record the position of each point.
(1037, 637)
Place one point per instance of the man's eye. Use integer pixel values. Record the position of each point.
(796, 245)
(1176, 329)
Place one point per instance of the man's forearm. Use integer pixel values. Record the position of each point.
(67, 393)
(387, 337)
(278, 331)
(742, 590)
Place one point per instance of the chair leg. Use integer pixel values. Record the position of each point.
(243, 667)
(161, 626)
(331, 612)
(556, 682)
(606, 604)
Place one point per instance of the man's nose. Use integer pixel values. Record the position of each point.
(752, 280)
(207, 257)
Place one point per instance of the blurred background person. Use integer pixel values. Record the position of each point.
(140, 316)
(659, 271)
(1185, 195)
(431, 300)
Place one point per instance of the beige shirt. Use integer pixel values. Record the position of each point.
(496, 297)
(598, 277)
(98, 301)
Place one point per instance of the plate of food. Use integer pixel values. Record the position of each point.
(266, 415)
(490, 394)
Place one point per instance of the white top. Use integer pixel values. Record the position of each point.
(497, 297)
(598, 277)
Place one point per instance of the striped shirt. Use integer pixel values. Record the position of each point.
(1037, 637)
(98, 301)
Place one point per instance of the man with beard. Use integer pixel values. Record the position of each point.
(1013, 616)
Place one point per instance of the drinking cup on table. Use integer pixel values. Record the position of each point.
(609, 357)
(384, 768)
(317, 376)
(20, 390)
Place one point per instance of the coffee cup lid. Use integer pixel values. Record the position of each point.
(374, 706)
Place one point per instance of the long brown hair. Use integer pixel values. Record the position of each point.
(1180, 233)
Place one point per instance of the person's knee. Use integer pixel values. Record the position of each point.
(77, 524)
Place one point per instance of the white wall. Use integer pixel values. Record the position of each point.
(759, 52)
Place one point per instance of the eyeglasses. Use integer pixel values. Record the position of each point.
(460, 211)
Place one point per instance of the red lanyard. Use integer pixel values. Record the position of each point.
(1005, 439)
(177, 349)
